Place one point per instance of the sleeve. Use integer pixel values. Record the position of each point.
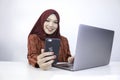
(67, 50)
(33, 52)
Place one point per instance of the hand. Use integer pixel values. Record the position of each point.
(70, 59)
(45, 59)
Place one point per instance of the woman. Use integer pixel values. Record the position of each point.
(47, 26)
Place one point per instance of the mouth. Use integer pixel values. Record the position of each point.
(50, 29)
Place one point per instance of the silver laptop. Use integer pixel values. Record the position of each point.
(93, 48)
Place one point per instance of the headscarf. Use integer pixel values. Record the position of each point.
(38, 27)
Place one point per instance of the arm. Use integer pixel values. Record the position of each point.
(70, 59)
(36, 56)
(65, 49)
(33, 52)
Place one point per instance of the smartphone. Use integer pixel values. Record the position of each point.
(52, 45)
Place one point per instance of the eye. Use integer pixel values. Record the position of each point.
(56, 22)
(47, 20)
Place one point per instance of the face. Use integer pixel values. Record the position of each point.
(51, 24)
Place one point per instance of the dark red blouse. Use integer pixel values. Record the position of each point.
(35, 44)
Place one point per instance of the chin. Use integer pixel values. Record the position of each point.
(49, 33)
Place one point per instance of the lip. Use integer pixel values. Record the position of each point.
(49, 29)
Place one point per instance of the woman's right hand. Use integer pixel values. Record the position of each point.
(45, 59)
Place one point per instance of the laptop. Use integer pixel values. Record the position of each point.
(93, 48)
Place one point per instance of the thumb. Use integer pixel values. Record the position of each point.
(42, 50)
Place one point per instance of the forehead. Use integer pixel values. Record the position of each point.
(52, 16)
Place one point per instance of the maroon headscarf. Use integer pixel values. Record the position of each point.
(38, 27)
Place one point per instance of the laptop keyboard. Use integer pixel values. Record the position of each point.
(64, 64)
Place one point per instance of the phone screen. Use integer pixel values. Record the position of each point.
(52, 45)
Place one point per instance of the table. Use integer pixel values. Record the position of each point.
(23, 71)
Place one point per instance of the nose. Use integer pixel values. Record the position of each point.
(51, 24)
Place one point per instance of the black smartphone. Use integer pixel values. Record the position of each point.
(52, 45)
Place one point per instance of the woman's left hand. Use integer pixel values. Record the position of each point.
(70, 59)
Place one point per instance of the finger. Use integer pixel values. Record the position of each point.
(46, 59)
(45, 54)
(50, 58)
(70, 59)
(46, 66)
(48, 63)
(39, 56)
(42, 50)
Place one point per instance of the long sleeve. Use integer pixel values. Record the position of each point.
(64, 51)
(67, 48)
(33, 51)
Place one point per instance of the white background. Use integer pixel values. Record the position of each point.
(17, 18)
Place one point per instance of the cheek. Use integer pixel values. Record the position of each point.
(44, 27)
(56, 26)
(44, 24)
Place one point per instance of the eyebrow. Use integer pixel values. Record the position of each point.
(54, 20)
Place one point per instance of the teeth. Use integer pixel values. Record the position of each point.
(50, 29)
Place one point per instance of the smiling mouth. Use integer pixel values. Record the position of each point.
(49, 29)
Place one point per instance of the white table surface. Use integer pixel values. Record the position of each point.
(23, 71)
